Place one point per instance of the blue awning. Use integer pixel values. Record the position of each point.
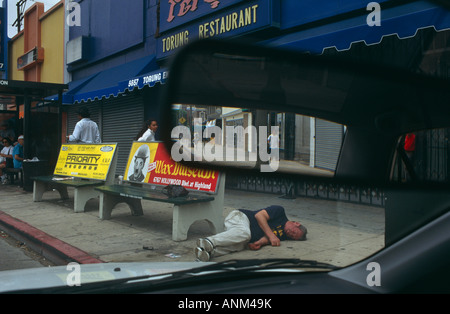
(115, 80)
(402, 21)
(147, 79)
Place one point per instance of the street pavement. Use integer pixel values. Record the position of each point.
(14, 255)
(338, 233)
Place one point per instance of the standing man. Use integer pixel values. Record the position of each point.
(18, 153)
(86, 131)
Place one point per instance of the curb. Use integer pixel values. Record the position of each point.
(55, 250)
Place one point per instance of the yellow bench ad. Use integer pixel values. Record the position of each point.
(86, 161)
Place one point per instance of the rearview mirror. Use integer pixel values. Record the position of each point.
(228, 103)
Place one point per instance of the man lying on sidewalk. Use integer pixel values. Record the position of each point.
(250, 228)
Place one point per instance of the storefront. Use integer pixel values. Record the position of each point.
(120, 108)
(104, 79)
(111, 62)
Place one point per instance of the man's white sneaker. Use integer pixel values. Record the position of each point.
(206, 244)
(201, 254)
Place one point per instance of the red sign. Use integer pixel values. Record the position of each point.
(149, 162)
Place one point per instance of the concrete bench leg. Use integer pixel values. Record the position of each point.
(81, 196)
(184, 216)
(62, 191)
(39, 188)
(108, 202)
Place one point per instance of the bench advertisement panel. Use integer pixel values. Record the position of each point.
(149, 162)
(86, 161)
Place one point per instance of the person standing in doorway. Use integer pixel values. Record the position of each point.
(148, 131)
(86, 131)
(274, 144)
(6, 158)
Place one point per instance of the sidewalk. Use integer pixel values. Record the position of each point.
(338, 234)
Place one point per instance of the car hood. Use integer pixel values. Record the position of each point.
(79, 274)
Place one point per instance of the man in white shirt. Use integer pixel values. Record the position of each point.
(86, 131)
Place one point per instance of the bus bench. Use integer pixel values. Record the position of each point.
(197, 205)
(13, 173)
(81, 167)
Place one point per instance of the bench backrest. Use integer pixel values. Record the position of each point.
(150, 163)
(88, 161)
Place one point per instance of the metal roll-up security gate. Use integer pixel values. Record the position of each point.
(328, 141)
(122, 119)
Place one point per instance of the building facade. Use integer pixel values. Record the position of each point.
(112, 67)
(42, 36)
(35, 54)
(116, 53)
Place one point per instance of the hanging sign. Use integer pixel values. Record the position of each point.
(35, 55)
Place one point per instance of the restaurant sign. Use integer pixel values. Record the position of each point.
(236, 20)
(174, 13)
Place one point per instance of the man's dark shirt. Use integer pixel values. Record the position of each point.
(277, 220)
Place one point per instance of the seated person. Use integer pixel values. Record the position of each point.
(6, 160)
(18, 153)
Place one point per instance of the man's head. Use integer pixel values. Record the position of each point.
(295, 231)
(152, 124)
(83, 112)
(20, 140)
(6, 141)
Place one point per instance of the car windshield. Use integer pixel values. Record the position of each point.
(299, 175)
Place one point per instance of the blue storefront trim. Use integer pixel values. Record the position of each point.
(116, 80)
(403, 21)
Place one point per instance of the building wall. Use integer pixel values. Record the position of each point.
(16, 49)
(117, 32)
(114, 33)
(44, 30)
(125, 30)
(52, 39)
